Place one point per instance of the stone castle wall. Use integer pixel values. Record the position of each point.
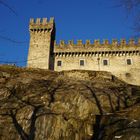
(41, 34)
(122, 58)
(117, 64)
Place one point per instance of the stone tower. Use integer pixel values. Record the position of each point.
(42, 36)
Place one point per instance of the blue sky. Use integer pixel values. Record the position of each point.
(75, 19)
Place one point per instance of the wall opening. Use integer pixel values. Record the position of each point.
(129, 62)
(82, 62)
(105, 62)
(59, 63)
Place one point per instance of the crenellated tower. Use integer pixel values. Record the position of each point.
(42, 36)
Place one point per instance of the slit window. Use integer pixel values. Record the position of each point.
(82, 62)
(59, 63)
(105, 62)
(129, 62)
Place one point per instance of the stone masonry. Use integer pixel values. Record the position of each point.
(120, 58)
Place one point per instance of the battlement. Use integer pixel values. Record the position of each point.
(98, 43)
(97, 46)
(41, 24)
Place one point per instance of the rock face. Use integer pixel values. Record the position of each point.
(69, 105)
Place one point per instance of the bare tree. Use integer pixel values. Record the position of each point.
(132, 8)
(2, 2)
(14, 12)
(15, 103)
(129, 5)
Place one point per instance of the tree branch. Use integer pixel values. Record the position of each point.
(9, 7)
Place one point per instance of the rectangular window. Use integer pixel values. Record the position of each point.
(129, 62)
(105, 62)
(82, 62)
(59, 63)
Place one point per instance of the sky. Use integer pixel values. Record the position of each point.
(75, 19)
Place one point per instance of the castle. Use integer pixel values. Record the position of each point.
(120, 58)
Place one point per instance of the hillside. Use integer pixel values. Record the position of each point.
(69, 105)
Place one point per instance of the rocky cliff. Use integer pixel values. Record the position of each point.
(69, 105)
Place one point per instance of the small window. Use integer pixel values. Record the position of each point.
(105, 62)
(82, 62)
(59, 63)
(129, 62)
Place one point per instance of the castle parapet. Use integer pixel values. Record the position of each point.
(40, 21)
(106, 42)
(70, 42)
(131, 42)
(139, 41)
(43, 24)
(31, 21)
(123, 42)
(114, 42)
(87, 43)
(62, 42)
(44, 21)
(97, 43)
(80, 43)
